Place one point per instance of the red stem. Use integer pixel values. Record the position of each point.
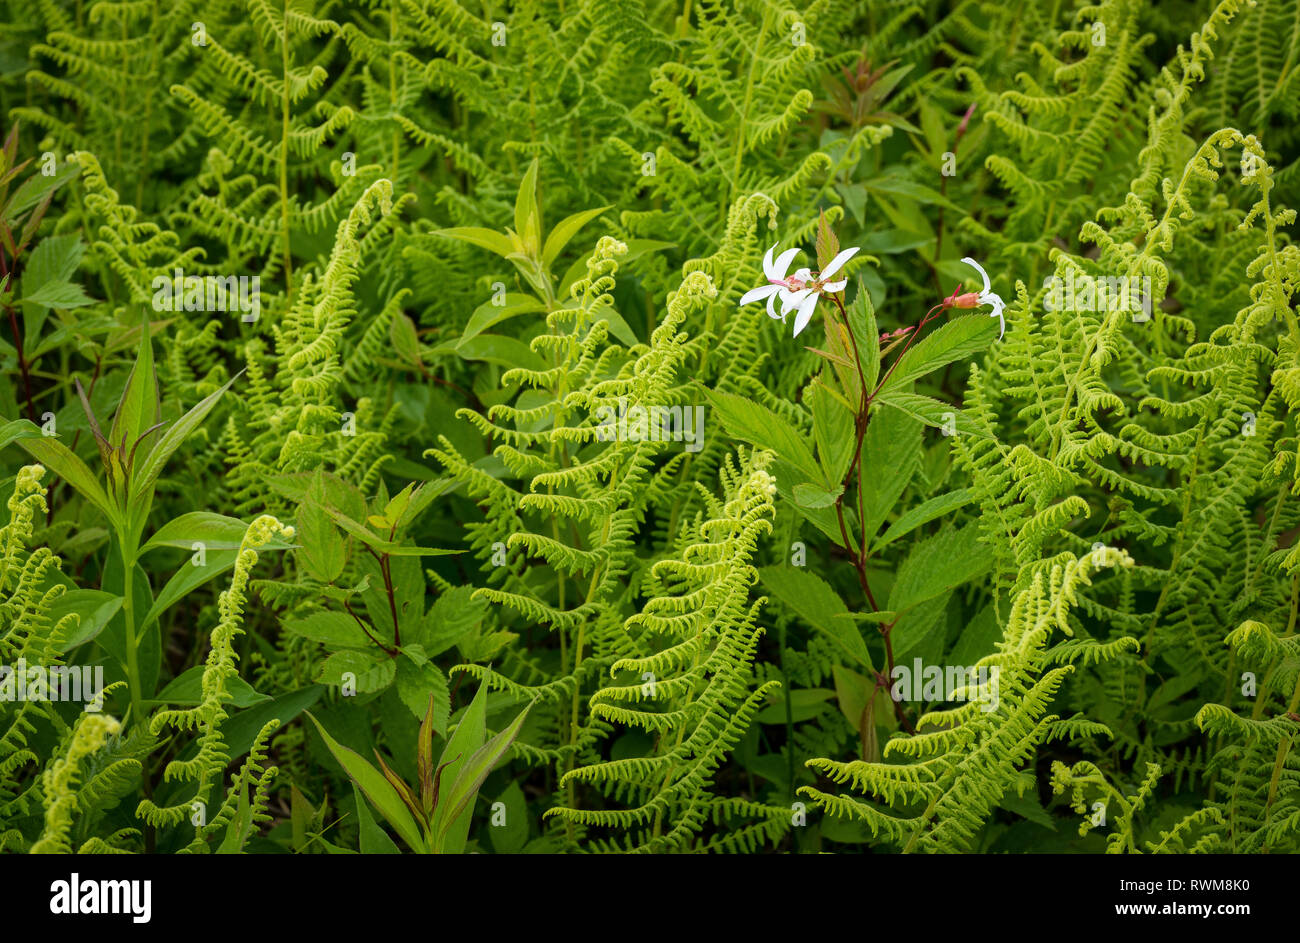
(859, 554)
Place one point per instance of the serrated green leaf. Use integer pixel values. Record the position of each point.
(817, 603)
(959, 338)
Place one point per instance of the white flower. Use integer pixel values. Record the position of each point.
(798, 292)
(986, 297)
(776, 278)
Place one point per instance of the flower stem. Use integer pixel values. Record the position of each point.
(860, 553)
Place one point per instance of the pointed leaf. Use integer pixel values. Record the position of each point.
(377, 789)
(374, 840)
(483, 238)
(464, 740)
(214, 531)
(61, 460)
(565, 230)
(955, 340)
(528, 214)
(816, 602)
(471, 775)
(171, 440)
(138, 408)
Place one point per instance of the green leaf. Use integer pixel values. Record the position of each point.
(373, 670)
(827, 244)
(483, 238)
(376, 788)
(240, 825)
(322, 551)
(528, 214)
(48, 272)
(415, 682)
(932, 412)
(817, 604)
(452, 616)
(397, 504)
(855, 198)
(617, 325)
(332, 629)
(406, 343)
(891, 454)
(959, 338)
(865, 707)
(467, 738)
(148, 471)
(756, 424)
(920, 630)
(243, 728)
(895, 183)
(214, 531)
(894, 241)
(978, 638)
(923, 513)
(16, 429)
(510, 837)
(55, 259)
(342, 496)
(852, 694)
(805, 704)
(34, 189)
(932, 123)
(379, 544)
(93, 608)
(137, 410)
(938, 564)
(374, 840)
(187, 688)
(60, 295)
(1028, 806)
(565, 230)
(832, 430)
(469, 777)
(64, 462)
(490, 313)
(811, 496)
(495, 348)
(862, 321)
(189, 578)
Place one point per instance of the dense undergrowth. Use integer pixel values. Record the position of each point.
(387, 447)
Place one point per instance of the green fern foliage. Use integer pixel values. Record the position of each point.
(854, 427)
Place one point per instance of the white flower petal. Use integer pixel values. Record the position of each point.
(771, 308)
(792, 299)
(983, 274)
(833, 287)
(804, 275)
(837, 263)
(805, 314)
(759, 293)
(998, 305)
(777, 269)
